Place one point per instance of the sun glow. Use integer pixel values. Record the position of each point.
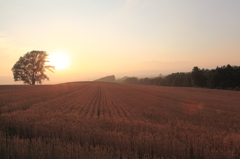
(60, 60)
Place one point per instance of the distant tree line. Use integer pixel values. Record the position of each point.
(225, 77)
(106, 79)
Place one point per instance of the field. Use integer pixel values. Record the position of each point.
(107, 120)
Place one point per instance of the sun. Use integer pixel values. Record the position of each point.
(60, 60)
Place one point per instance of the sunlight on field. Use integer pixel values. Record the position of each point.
(109, 120)
(60, 60)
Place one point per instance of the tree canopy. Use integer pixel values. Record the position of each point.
(31, 68)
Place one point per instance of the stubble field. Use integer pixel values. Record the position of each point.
(108, 120)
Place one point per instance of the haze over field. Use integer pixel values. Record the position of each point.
(121, 37)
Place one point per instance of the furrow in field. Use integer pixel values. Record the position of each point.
(118, 103)
(109, 104)
(163, 102)
(151, 103)
(106, 108)
(39, 96)
(128, 109)
(99, 104)
(95, 102)
(172, 103)
(84, 102)
(136, 105)
(20, 93)
(89, 103)
(102, 107)
(79, 102)
(196, 96)
(146, 99)
(59, 104)
(113, 107)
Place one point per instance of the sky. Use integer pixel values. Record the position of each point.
(120, 37)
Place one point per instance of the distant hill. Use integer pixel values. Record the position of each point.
(106, 79)
(120, 80)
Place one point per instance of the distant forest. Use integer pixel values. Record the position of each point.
(225, 77)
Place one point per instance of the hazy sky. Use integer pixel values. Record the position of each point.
(121, 37)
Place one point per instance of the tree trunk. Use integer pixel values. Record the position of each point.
(33, 79)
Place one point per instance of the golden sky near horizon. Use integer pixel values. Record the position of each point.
(120, 37)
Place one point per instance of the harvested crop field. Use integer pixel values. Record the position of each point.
(108, 120)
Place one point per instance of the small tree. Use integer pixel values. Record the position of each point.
(31, 67)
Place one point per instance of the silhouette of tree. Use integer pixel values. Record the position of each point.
(225, 77)
(197, 77)
(131, 80)
(31, 68)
